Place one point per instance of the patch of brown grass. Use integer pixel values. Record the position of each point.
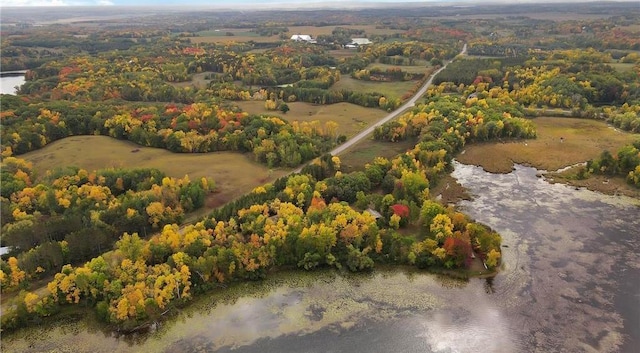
(582, 140)
(351, 118)
(342, 53)
(561, 142)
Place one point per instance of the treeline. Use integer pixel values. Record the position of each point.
(626, 117)
(625, 163)
(495, 49)
(340, 36)
(391, 74)
(193, 128)
(322, 96)
(270, 30)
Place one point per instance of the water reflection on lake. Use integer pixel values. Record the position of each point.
(569, 284)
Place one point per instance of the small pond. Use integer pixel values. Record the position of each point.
(10, 80)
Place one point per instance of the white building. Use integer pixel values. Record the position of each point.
(302, 38)
(360, 41)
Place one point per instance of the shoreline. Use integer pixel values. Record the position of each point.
(562, 145)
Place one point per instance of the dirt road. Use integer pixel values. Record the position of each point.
(394, 114)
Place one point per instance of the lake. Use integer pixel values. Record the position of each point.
(8, 83)
(569, 283)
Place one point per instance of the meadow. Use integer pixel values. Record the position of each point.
(234, 174)
(561, 142)
(350, 118)
(395, 89)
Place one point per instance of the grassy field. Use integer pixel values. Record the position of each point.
(342, 53)
(389, 89)
(581, 140)
(351, 118)
(239, 35)
(622, 67)
(234, 173)
(421, 68)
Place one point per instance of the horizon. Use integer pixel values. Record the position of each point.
(242, 3)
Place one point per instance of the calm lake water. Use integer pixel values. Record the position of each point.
(569, 284)
(8, 84)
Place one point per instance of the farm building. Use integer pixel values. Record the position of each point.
(357, 42)
(302, 38)
(360, 41)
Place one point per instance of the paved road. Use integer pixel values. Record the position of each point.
(409, 104)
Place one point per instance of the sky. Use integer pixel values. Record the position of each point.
(163, 2)
(202, 2)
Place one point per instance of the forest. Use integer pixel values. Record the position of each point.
(114, 239)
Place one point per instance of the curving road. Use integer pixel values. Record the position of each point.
(409, 104)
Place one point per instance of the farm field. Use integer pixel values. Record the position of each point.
(351, 118)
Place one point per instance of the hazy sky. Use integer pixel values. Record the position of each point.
(210, 2)
(167, 2)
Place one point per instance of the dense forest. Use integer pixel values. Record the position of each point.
(113, 239)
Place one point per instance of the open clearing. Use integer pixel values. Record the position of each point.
(389, 89)
(622, 67)
(198, 81)
(234, 174)
(342, 53)
(420, 67)
(351, 118)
